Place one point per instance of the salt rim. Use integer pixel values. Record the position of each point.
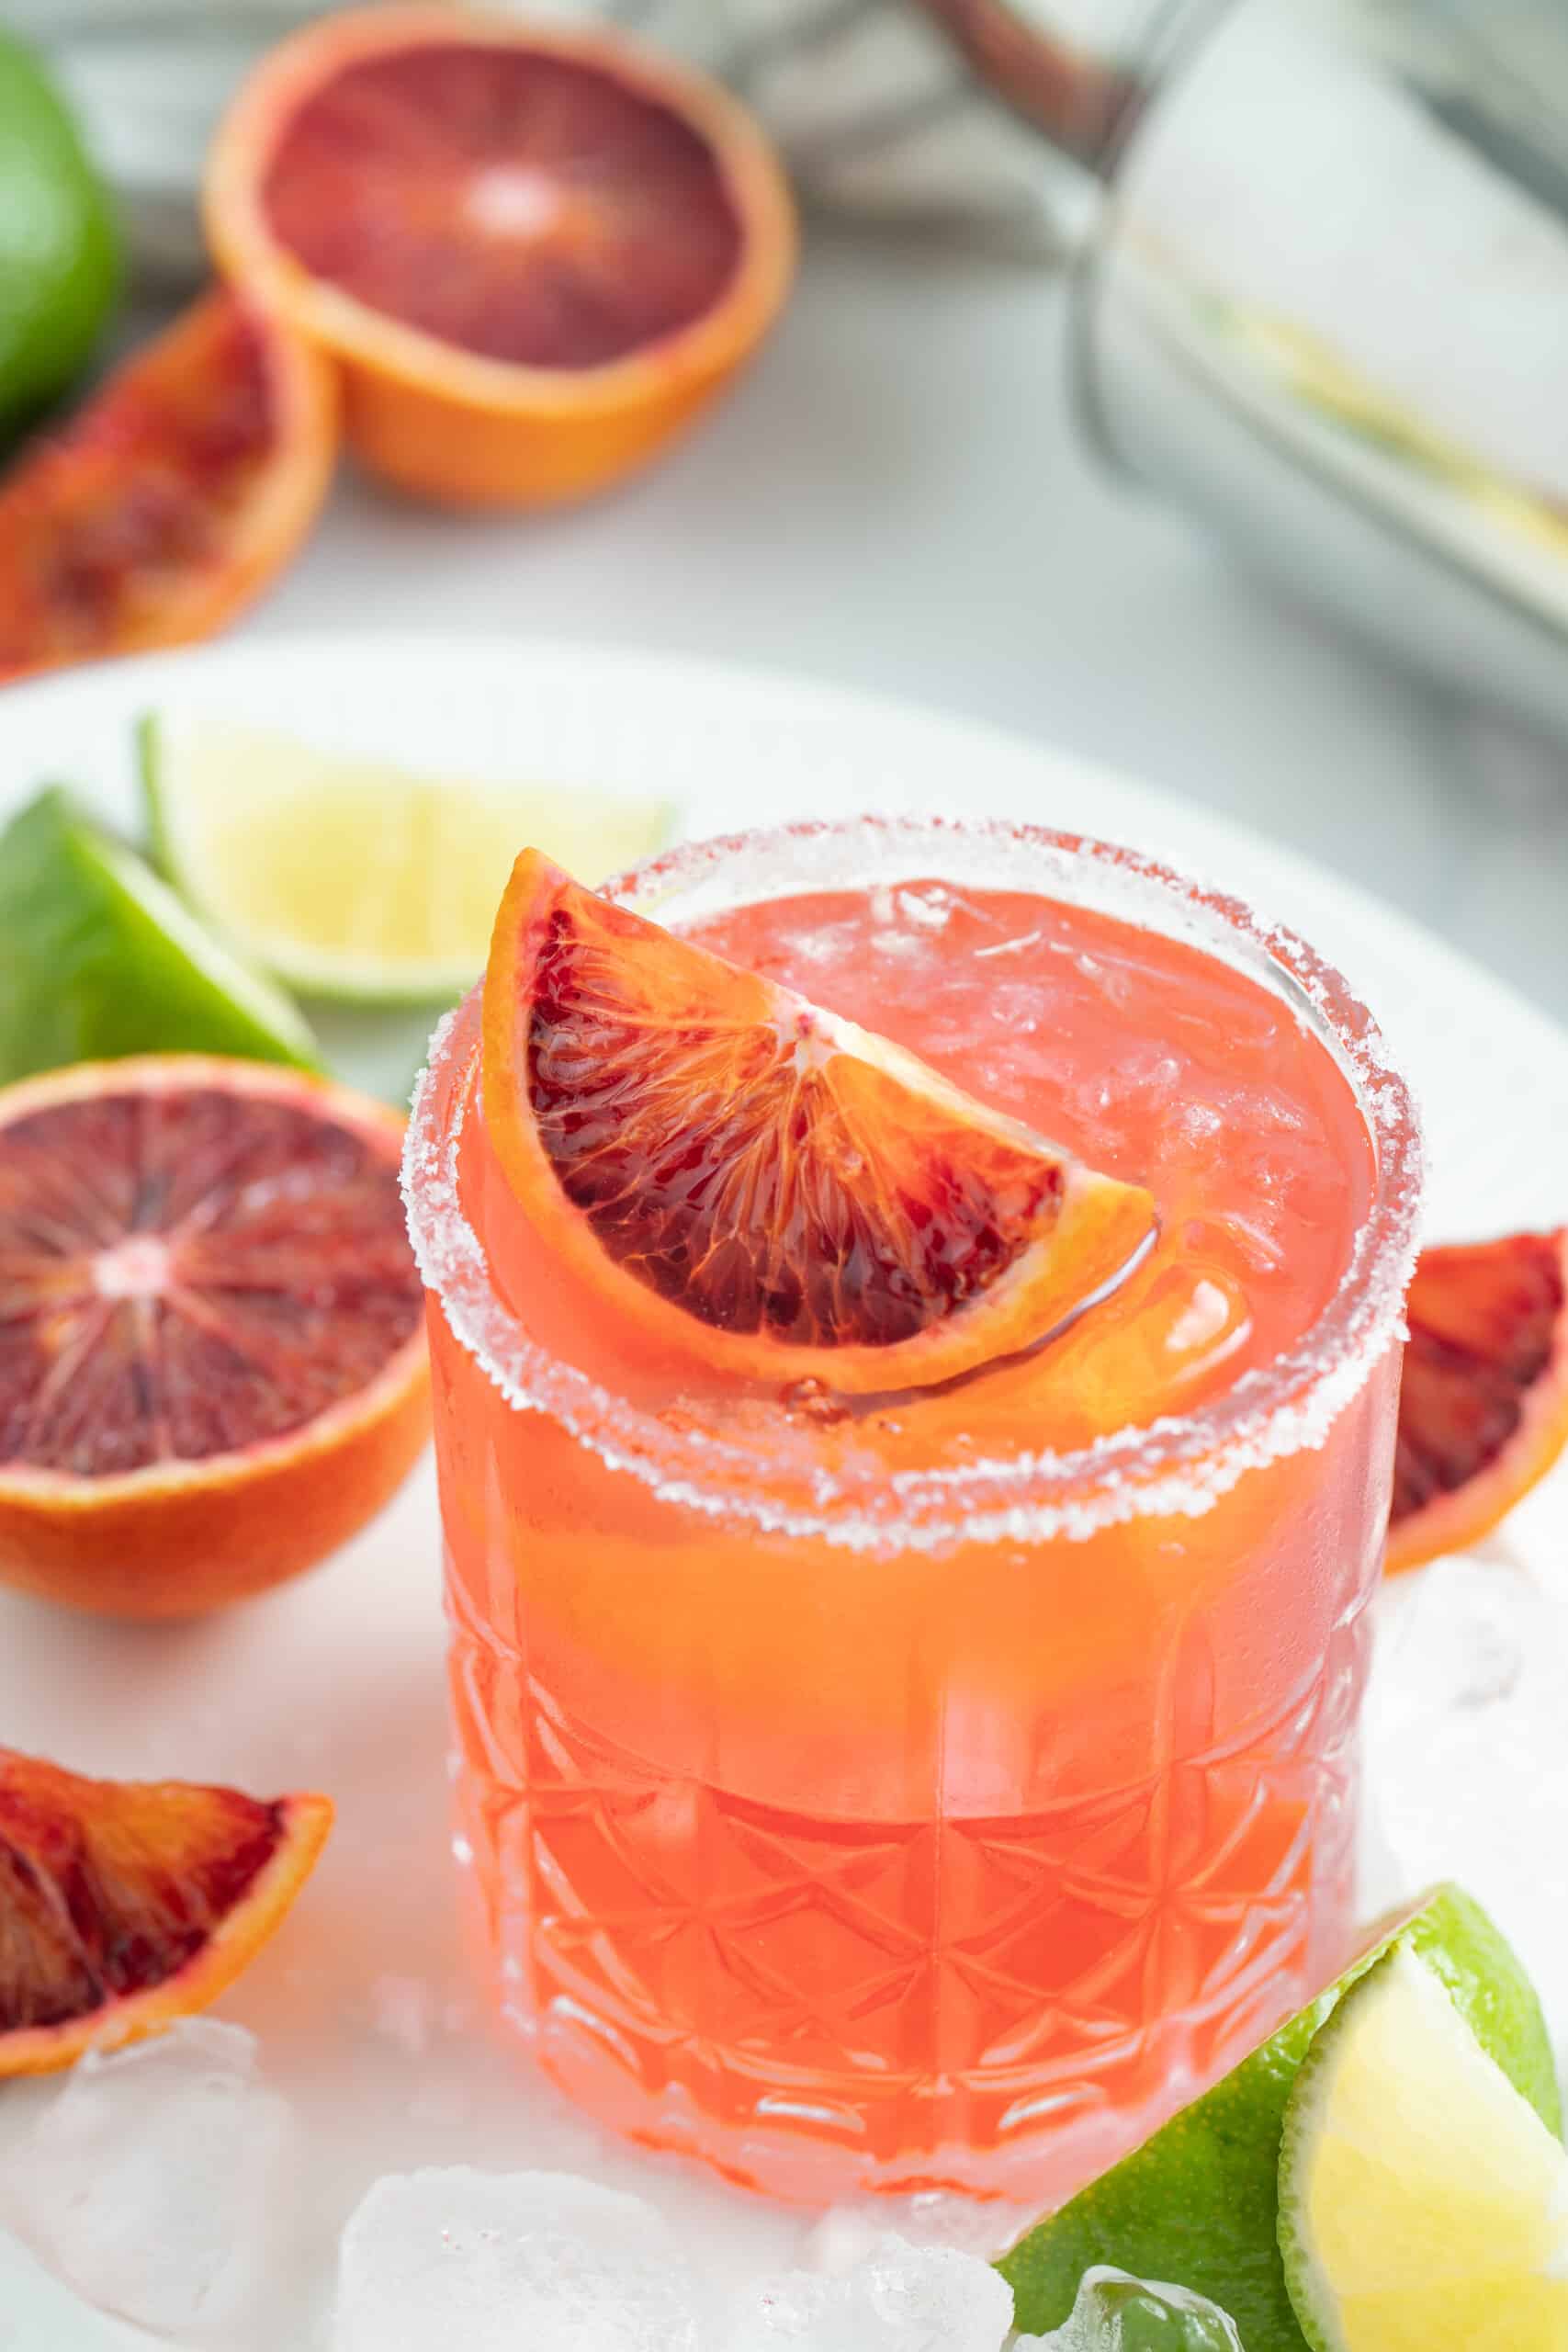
(1178, 1466)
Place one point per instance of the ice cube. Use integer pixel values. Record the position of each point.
(1116, 2313)
(463, 2261)
(1467, 1767)
(894, 2297)
(154, 2182)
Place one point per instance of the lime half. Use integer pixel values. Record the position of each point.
(98, 959)
(1423, 2203)
(59, 256)
(1199, 2202)
(354, 881)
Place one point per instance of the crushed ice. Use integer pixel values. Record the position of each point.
(455, 2260)
(890, 2297)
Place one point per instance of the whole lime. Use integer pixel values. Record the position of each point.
(59, 252)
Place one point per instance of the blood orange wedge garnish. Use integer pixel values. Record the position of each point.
(536, 252)
(1483, 1399)
(212, 1364)
(126, 1904)
(759, 1185)
(173, 496)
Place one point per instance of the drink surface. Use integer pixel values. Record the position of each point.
(1147, 1058)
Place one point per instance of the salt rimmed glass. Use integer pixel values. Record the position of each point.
(677, 1836)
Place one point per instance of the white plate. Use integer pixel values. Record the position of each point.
(366, 2017)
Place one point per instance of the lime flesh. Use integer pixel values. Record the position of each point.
(59, 254)
(1199, 2202)
(98, 959)
(353, 881)
(1423, 2203)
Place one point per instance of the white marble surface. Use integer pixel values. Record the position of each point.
(897, 500)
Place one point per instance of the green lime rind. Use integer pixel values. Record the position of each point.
(60, 264)
(98, 960)
(1199, 2202)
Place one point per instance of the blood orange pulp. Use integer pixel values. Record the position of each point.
(211, 1369)
(757, 1184)
(172, 499)
(124, 1904)
(536, 252)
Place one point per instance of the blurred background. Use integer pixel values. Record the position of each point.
(1184, 384)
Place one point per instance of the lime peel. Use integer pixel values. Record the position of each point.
(103, 960)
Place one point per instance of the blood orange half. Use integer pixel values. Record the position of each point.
(759, 1185)
(172, 499)
(212, 1365)
(537, 252)
(1484, 1400)
(124, 1905)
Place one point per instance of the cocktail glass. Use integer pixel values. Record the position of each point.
(939, 1829)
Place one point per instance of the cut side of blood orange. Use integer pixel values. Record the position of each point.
(1483, 1398)
(212, 1363)
(172, 499)
(125, 1904)
(759, 1185)
(536, 252)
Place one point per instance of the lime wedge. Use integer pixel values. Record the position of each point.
(353, 881)
(1199, 2202)
(98, 959)
(1423, 2203)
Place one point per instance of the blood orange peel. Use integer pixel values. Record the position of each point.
(536, 252)
(212, 1362)
(172, 499)
(759, 1186)
(1483, 1395)
(125, 1904)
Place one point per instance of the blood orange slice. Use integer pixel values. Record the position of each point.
(759, 1184)
(537, 252)
(1484, 1401)
(124, 1904)
(172, 499)
(212, 1365)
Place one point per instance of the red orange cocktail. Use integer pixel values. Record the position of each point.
(930, 1784)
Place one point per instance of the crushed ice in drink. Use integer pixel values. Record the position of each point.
(457, 2260)
(154, 2183)
(892, 2297)
(1467, 1765)
(1115, 2313)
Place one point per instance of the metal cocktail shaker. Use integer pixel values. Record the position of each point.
(1323, 299)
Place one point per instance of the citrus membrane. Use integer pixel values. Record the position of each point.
(103, 959)
(355, 880)
(212, 1364)
(1423, 2201)
(1199, 2202)
(58, 252)
(124, 1905)
(758, 1185)
(1483, 1394)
